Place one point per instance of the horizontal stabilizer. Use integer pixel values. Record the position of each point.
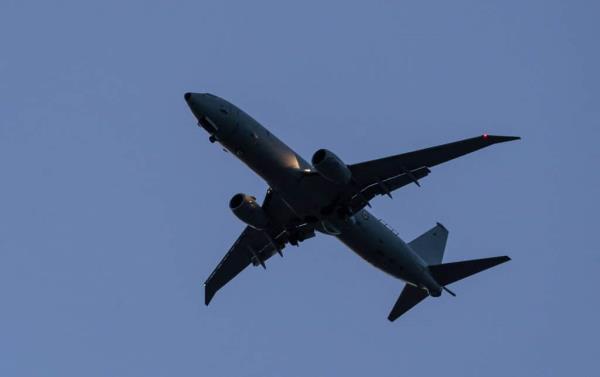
(409, 297)
(448, 273)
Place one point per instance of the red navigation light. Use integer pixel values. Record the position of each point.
(485, 136)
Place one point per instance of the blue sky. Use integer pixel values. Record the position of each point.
(113, 204)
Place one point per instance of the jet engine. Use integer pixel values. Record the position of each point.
(245, 208)
(331, 167)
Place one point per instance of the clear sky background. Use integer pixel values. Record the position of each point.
(113, 204)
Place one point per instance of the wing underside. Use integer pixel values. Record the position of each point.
(370, 178)
(257, 246)
(413, 165)
(252, 246)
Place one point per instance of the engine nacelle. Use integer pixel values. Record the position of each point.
(331, 167)
(245, 208)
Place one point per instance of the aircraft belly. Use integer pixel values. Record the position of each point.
(265, 154)
(380, 246)
(277, 164)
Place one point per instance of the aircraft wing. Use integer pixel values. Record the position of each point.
(408, 167)
(256, 246)
(250, 243)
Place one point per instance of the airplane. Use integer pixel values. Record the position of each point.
(331, 197)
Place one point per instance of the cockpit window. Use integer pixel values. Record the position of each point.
(223, 111)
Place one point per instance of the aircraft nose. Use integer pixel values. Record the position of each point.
(194, 97)
(201, 104)
(196, 102)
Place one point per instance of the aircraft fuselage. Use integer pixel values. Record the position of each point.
(283, 169)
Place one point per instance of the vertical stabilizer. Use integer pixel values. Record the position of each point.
(431, 245)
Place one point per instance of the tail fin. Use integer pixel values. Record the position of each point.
(431, 245)
(409, 297)
(448, 273)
